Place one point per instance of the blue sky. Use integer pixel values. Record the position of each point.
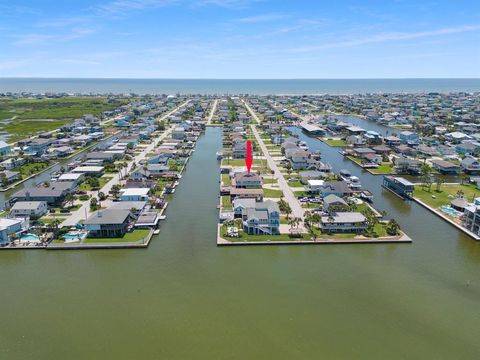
(240, 38)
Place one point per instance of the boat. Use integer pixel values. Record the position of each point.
(345, 174)
(354, 182)
(366, 195)
(303, 145)
(156, 232)
(219, 155)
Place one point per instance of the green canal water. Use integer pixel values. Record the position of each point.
(186, 298)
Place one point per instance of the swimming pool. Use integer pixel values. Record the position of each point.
(450, 211)
(30, 237)
(75, 236)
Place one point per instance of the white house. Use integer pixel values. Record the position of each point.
(134, 194)
(31, 209)
(11, 228)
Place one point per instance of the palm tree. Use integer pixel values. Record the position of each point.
(439, 180)
(393, 228)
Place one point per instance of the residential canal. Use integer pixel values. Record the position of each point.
(186, 298)
(45, 176)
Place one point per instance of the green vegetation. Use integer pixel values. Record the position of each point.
(384, 168)
(93, 183)
(244, 237)
(335, 142)
(31, 168)
(447, 193)
(131, 237)
(226, 203)
(271, 193)
(295, 184)
(36, 115)
(240, 162)
(269, 180)
(226, 180)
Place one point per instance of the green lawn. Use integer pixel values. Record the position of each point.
(269, 180)
(134, 236)
(335, 142)
(38, 115)
(32, 168)
(256, 238)
(226, 203)
(384, 168)
(271, 193)
(240, 162)
(226, 180)
(295, 184)
(446, 194)
(85, 186)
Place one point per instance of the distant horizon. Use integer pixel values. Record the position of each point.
(230, 79)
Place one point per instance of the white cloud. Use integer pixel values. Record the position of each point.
(262, 18)
(390, 36)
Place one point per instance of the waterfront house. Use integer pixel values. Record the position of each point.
(178, 133)
(471, 218)
(392, 141)
(468, 148)
(12, 228)
(4, 148)
(52, 195)
(259, 218)
(107, 223)
(457, 136)
(38, 146)
(409, 137)
(333, 200)
(11, 163)
(445, 167)
(147, 220)
(470, 165)
(88, 170)
(155, 170)
(135, 207)
(373, 137)
(340, 222)
(298, 158)
(239, 149)
(246, 193)
(75, 178)
(404, 165)
(362, 152)
(339, 188)
(134, 194)
(8, 176)
(31, 209)
(356, 140)
(398, 185)
(373, 158)
(103, 156)
(247, 180)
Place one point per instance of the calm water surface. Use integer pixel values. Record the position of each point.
(185, 298)
(231, 86)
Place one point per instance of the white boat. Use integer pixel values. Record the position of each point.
(354, 182)
(303, 145)
(219, 155)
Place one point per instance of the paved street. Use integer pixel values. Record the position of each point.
(212, 112)
(83, 212)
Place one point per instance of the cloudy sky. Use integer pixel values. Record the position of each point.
(240, 38)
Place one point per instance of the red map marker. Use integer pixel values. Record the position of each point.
(249, 156)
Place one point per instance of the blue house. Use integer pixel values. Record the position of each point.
(409, 137)
(4, 148)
